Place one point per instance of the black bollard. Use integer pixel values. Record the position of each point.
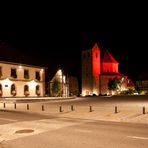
(143, 110)
(116, 110)
(61, 109)
(72, 108)
(14, 105)
(4, 105)
(43, 108)
(90, 108)
(27, 106)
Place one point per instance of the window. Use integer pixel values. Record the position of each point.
(26, 90)
(13, 73)
(26, 73)
(1, 91)
(13, 90)
(96, 55)
(37, 90)
(37, 75)
(1, 72)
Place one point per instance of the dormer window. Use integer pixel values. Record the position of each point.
(13, 73)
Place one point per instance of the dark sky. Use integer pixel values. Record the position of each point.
(58, 38)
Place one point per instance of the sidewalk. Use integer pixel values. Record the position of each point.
(122, 114)
(33, 99)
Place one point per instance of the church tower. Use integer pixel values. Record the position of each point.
(90, 71)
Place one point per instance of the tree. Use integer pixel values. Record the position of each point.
(56, 88)
(114, 84)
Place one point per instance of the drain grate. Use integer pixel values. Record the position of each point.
(24, 131)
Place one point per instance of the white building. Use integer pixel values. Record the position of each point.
(21, 80)
(59, 86)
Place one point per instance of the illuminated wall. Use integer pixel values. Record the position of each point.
(90, 71)
(104, 79)
(87, 77)
(6, 80)
(96, 73)
(96, 68)
(109, 67)
(63, 85)
(109, 64)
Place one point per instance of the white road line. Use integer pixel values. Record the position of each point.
(8, 119)
(135, 137)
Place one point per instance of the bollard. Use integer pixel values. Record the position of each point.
(4, 105)
(61, 109)
(116, 111)
(72, 108)
(27, 106)
(90, 108)
(143, 110)
(14, 105)
(42, 107)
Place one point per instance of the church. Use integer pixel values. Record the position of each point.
(97, 71)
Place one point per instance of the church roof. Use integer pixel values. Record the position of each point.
(108, 58)
(95, 46)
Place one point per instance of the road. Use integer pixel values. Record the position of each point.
(32, 130)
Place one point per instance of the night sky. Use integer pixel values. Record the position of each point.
(57, 41)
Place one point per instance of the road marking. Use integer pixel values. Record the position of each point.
(135, 137)
(8, 119)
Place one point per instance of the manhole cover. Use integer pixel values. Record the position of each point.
(25, 131)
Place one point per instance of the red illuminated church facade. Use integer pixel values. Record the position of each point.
(96, 72)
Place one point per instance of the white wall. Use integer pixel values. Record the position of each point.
(6, 80)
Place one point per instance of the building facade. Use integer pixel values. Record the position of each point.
(20, 80)
(59, 86)
(90, 71)
(96, 72)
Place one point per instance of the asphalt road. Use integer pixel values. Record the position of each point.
(30, 130)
